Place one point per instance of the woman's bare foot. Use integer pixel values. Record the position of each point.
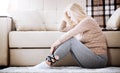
(42, 65)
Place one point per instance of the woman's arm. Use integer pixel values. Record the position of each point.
(66, 24)
(64, 27)
(78, 29)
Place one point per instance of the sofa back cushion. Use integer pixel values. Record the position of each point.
(28, 20)
(114, 21)
(50, 10)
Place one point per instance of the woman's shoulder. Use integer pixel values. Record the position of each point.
(88, 21)
(91, 21)
(89, 18)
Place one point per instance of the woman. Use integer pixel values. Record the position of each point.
(83, 38)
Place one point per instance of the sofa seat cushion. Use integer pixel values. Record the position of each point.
(46, 38)
(113, 38)
(27, 39)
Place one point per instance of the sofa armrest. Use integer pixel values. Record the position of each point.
(5, 27)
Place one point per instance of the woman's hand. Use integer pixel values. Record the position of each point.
(67, 17)
(54, 46)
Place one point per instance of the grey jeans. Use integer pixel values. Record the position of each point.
(83, 55)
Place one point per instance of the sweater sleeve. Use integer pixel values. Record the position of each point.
(64, 27)
(78, 29)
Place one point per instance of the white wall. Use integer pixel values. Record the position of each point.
(42, 4)
(3, 7)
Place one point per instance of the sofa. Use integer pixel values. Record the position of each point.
(29, 44)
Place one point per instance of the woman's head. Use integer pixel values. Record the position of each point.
(75, 12)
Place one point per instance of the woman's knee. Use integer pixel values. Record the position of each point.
(74, 40)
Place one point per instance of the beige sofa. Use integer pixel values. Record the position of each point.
(26, 48)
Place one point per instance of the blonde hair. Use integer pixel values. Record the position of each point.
(76, 11)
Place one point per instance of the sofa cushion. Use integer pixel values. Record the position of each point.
(32, 38)
(52, 10)
(114, 21)
(113, 38)
(28, 20)
(46, 38)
